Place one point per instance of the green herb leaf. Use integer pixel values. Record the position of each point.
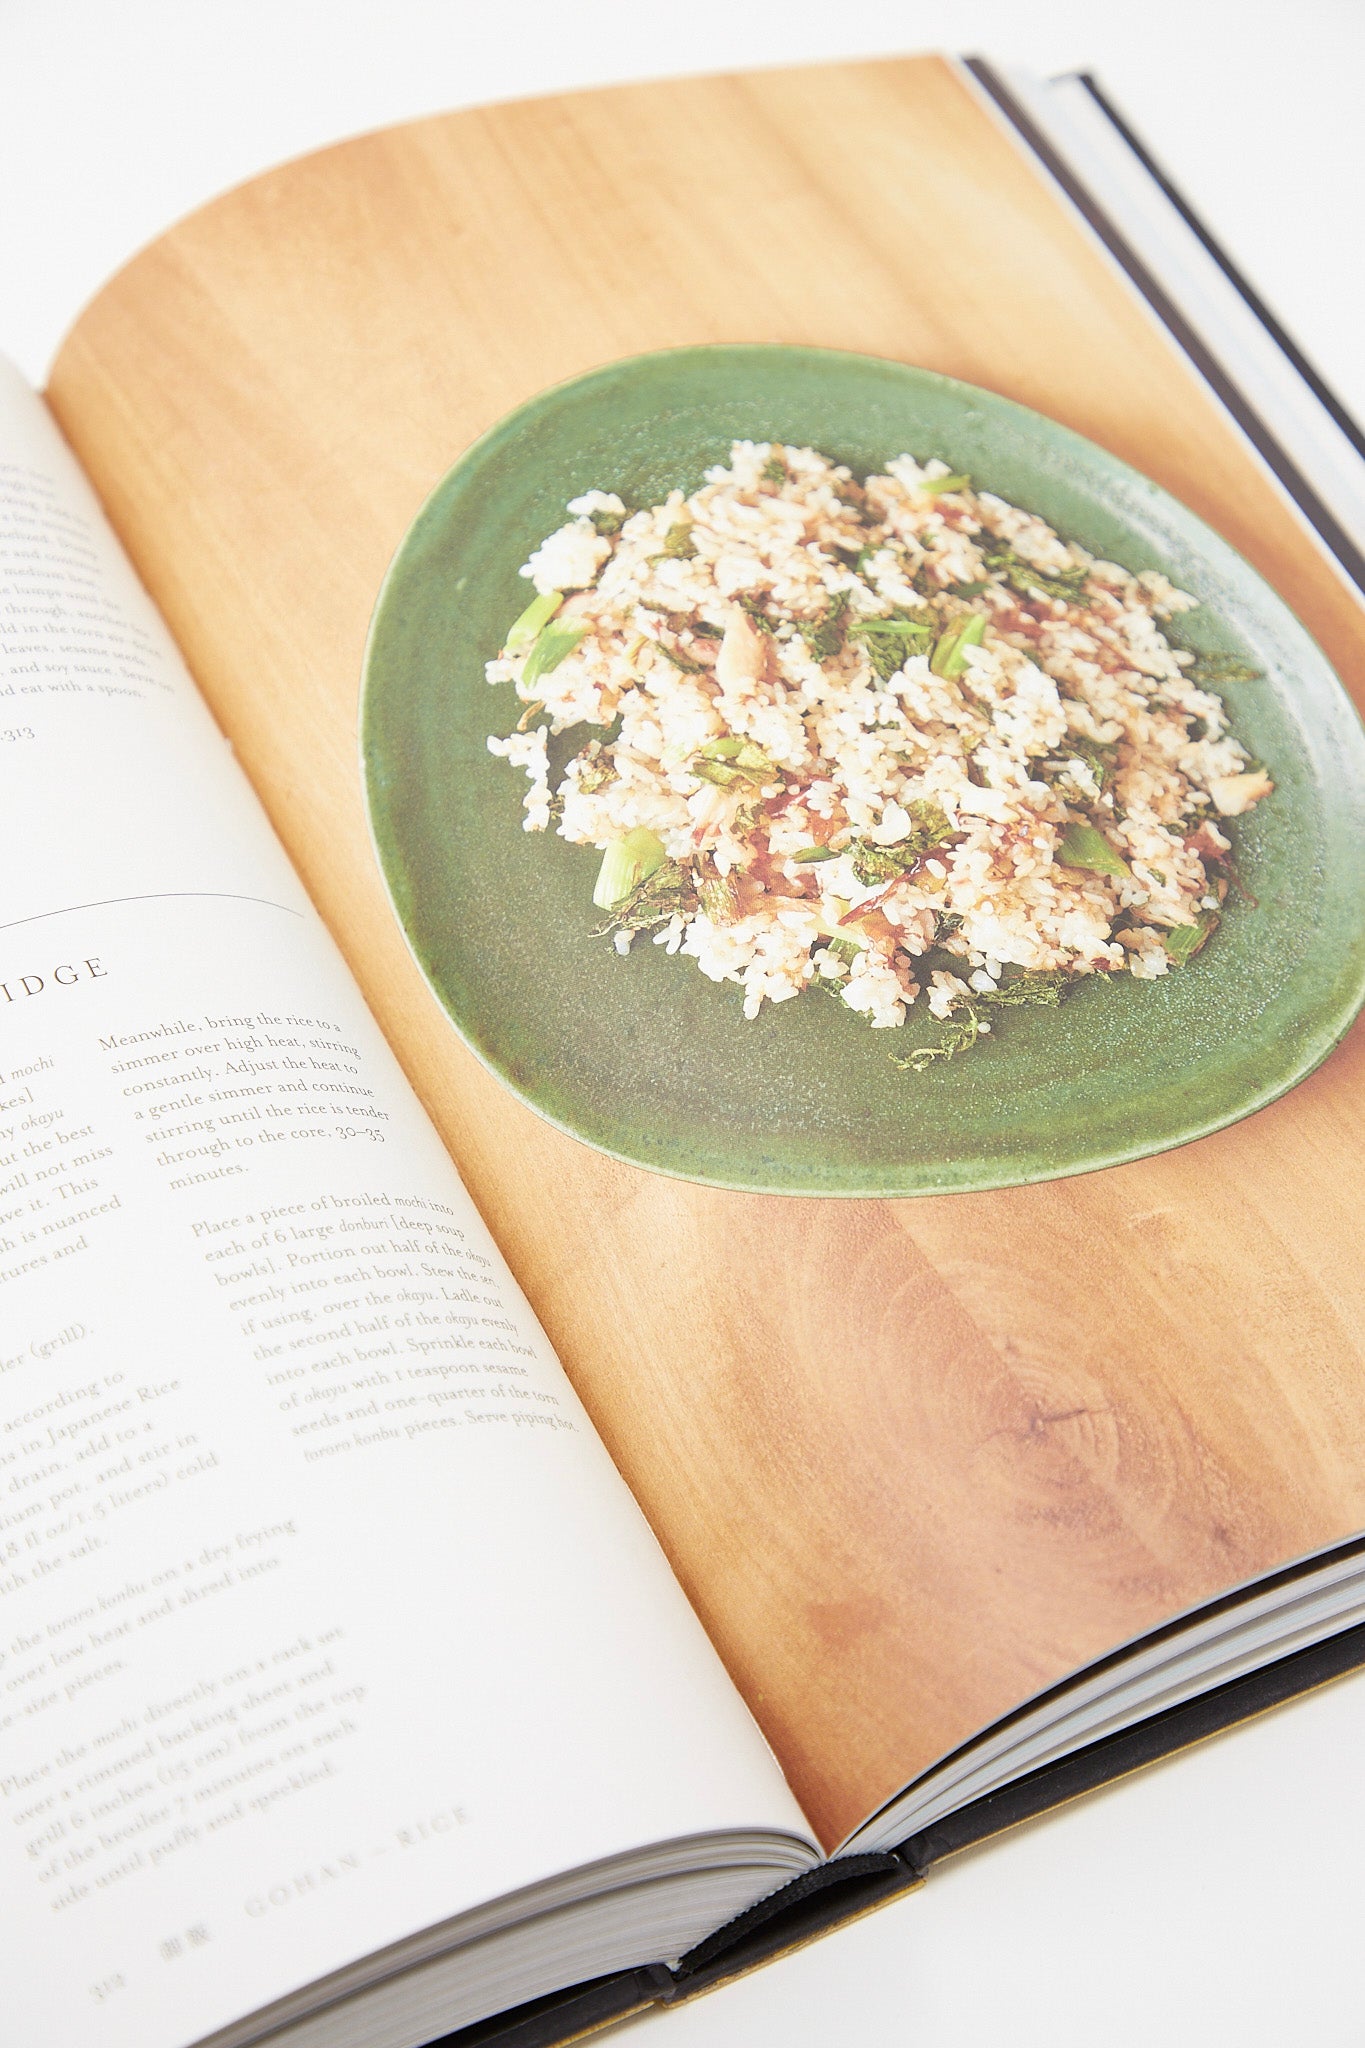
(730, 760)
(825, 636)
(625, 865)
(1083, 847)
(552, 644)
(858, 559)
(596, 770)
(1099, 759)
(960, 1035)
(667, 892)
(607, 523)
(678, 544)
(874, 864)
(934, 484)
(718, 772)
(720, 899)
(1023, 989)
(891, 641)
(929, 827)
(1001, 559)
(774, 470)
(755, 612)
(681, 660)
(948, 658)
(965, 1022)
(522, 632)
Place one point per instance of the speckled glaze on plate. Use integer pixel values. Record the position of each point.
(645, 1058)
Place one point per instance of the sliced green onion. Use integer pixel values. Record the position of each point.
(538, 613)
(1183, 941)
(551, 646)
(948, 658)
(808, 855)
(625, 864)
(727, 761)
(905, 629)
(1083, 847)
(935, 484)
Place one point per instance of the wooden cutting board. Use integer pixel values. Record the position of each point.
(911, 1460)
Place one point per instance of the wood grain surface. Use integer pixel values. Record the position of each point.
(911, 1460)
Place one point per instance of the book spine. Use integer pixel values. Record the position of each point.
(1287, 472)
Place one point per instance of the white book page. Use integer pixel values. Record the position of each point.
(323, 1613)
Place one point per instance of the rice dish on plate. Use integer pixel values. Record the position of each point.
(893, 741)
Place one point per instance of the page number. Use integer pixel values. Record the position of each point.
(176, 1945)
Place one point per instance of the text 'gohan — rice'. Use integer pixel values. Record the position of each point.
(894, 740)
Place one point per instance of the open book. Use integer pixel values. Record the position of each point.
(452, 1578)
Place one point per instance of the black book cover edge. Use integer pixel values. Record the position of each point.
(847, 1887)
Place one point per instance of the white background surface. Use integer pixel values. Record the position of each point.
(1216, 1899)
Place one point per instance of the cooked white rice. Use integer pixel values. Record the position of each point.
(897, 740)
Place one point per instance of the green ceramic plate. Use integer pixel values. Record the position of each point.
(648, 1060)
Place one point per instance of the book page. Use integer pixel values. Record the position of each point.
(323, 1613)
(939, 1452)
